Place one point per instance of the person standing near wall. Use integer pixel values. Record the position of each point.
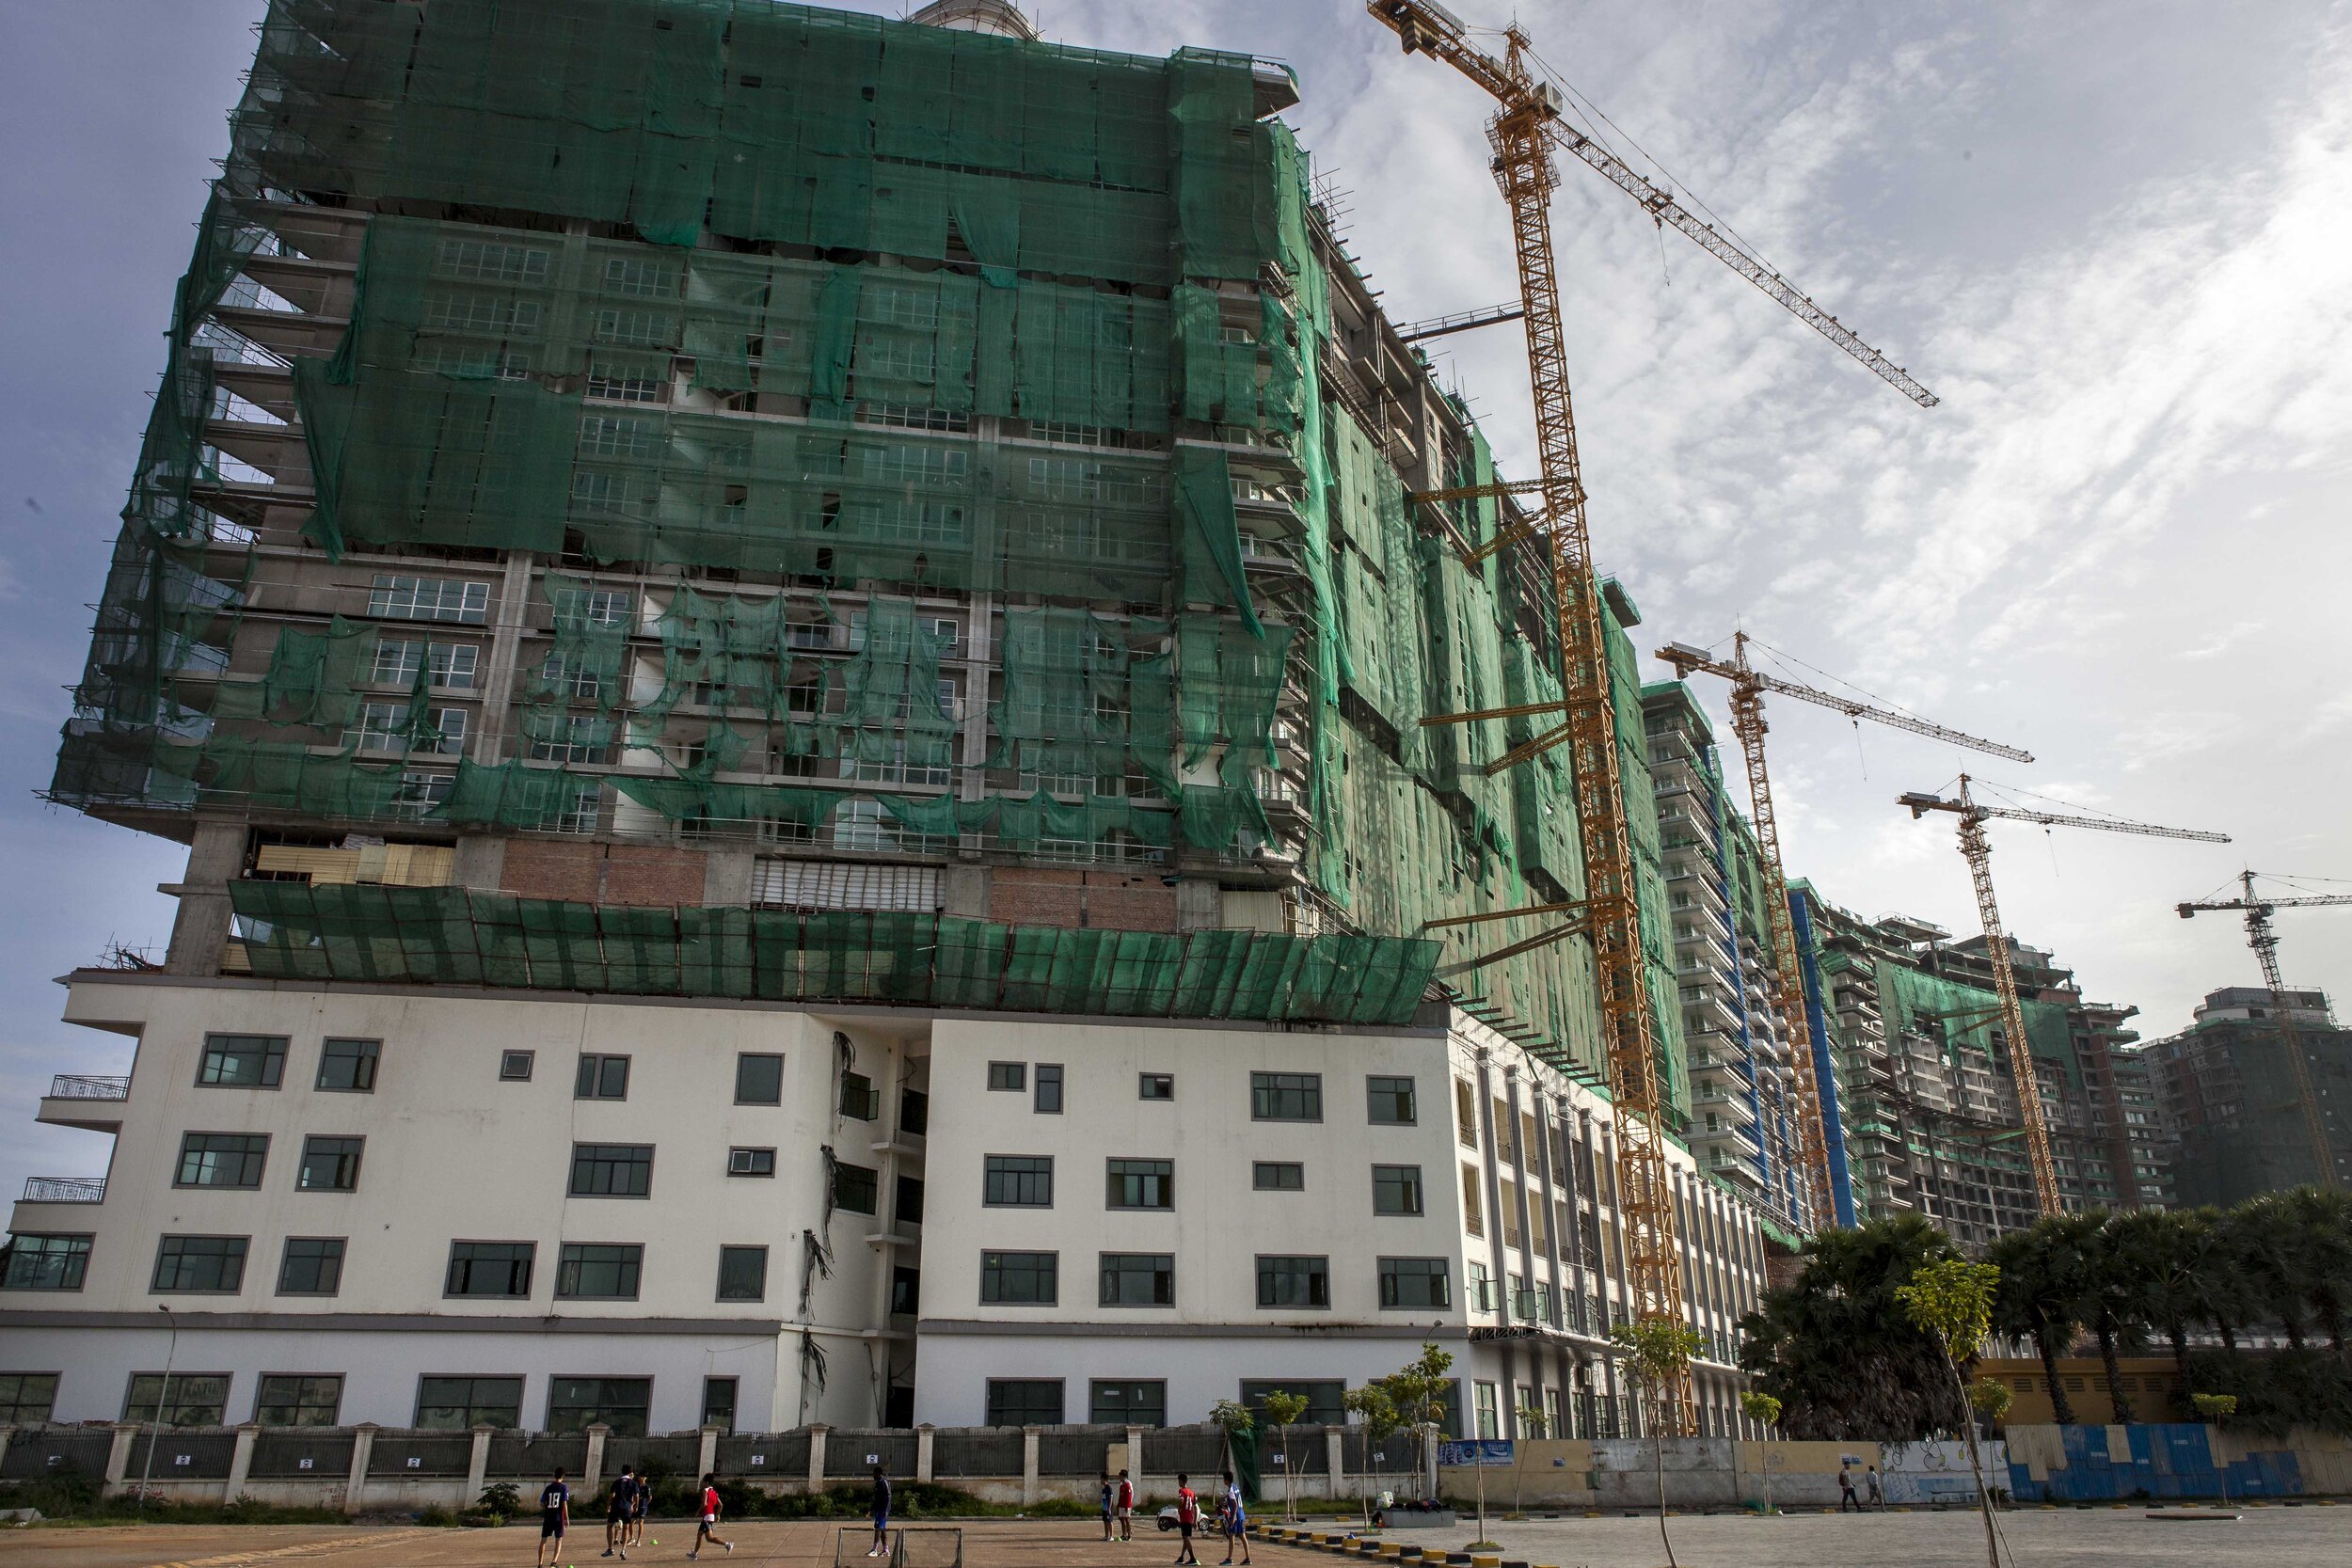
(1110, 1498)
(555, 1516)
(1236, 1522)
(882, 1514)
(1188, 1517)
(1844, 1487)
(1877, 1491)
(1126, 1506)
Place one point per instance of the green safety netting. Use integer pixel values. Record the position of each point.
(455, 936)
(1962, 1015)
(1080, 702)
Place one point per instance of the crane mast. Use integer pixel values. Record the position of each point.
(1978, 851)
(2263, 940)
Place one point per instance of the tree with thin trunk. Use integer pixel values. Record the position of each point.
(2214, 1409)
(1656, 1352)
(2324, 1219)
(1952, 1302)
(1376, 1417)
(2041, 1287)
(1764, 1411)
(1531, 1431)
(2271, 1250)
(1282, 1411)
(1418, 1392)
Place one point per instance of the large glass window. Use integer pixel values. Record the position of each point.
(28, 1399)
(221, 1159)
(310, 1266)
(1389, 1101)
(1138, 1279)
(1323, 1395)
(601, 1077)
(458, 1403)
(204, 1265)
(1140, 1404)
(1025, 1401)
(856, 1188)
(292, 1400)
(577, 1403)
(1018, 1182)
(1020, 1279)
(1396, 1190)
(1294, 1282)
(719, 1403)
(1415, 1282)
(742, 1273)
(1286, 1096)
(331, 1164)
(1140, 1185)
(177, 1399)
(46, 1263)
(598, 1270)
(489, 1268)
(758, 1079)
(348, 1066)
(612, 1170)
(242, 1061)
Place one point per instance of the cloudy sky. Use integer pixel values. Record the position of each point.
(2116, 238)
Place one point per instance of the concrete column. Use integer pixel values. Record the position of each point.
(478, 1465)
(1028, 1465)
(923, 1436)
(1135, 1462)
(507, 625)
(706, 1454)
(240, 1463)
(963, 889)
(362, 1450)
(199, 932)
(1335, 1454)
(591, 1468)
(1200, 904)
(480, 862)
(119, 1455)
(727, 878)
(816, 1456)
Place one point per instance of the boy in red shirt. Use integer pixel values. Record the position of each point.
(708, 1529)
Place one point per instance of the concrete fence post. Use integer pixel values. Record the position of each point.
(1028, 1465)
(1134, 1460)
(240, 1463)
(478, 1465)
(1429, 1464)
(119, 1455)
(1335, 1453)
(8, 1435)
(706, 1454)
(362, 1451)
(924, 1436)
(817, 1457)
(591, 1467)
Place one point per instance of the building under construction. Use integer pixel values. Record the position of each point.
(855, 586)
(2231, 1104)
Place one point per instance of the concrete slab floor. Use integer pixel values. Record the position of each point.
(2309, 1537)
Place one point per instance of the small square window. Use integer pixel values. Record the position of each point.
(310, 1266)
(1048, 1088)
(348, 1066)
(601, 1078)
(514, 1066)
(329, 1166)
(758, 1079)
(1396, 1190)
(1389, 1101)
(1156, 1086)
(742, 1273)
(1278, 1176)
(855, 1187)
(751, 1161)
(1012, 1077)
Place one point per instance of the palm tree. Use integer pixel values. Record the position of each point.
(2041, 1283)
(2269, 1243)
(2113, 1299)
(2190, 1279)
(2326, 1222)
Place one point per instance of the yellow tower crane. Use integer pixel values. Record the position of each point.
(1978, 851)
(1526, 130)
(1748, 686)
(2264, 942)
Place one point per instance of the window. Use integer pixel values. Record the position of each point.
(859, 1097)
(348, 1066)
(1274, 1175)
(1488, 1425)
(1480, 1287)
(1018, 1182)
(221, 1160)
(242, 1062)
(176, 1399)
(1140, 1185)
(1472, 1220)
(1025, 1401)
(1138, 1279)
(577, 1403)
(601, 1078)
(914, 1113)
(598, 1270)
(46, 1263)
(1020, 1279)
(719, 1404)
(906, 1292)
(751, 1161)
(1293, 1281)
(458, 1403)
(28, 1399)
(295, 1401)
(1286, 1096)
(1128, 1405)
(402, 598)
(329, 1166)
(1048, 1100)
(1324, 1398)
(1410, 1282)
(489, 1268)
(1011, 1076)
(1389, 1101)
(310, 1266)
(742, 1273)
(1464, 1113)
(612, 1170)
(855, 1187)
(758, 1079)
(1156, 1086)
(204, 1265)
(514, 1066)
(910, 1210)
(1396, 1190)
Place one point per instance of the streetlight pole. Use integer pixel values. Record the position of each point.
(163, 1396)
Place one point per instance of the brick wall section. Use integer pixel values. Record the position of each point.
(1097, 900)
(588, 873)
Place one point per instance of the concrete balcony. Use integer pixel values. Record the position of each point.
(55, 1203)
(92, 1104)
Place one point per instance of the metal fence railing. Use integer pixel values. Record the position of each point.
(74, 1086)
(65, 1189)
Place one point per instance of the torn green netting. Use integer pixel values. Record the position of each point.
(310, 680)
(1227, 691)
(520, 795)
(1078, 701)
(1211, 532)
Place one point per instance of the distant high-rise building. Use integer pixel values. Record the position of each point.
(2230, 1102)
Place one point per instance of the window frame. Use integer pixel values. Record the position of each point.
(591, 1158)
(1046, 1082)
(1409, 1181)
(253, 1156)
(529, 1059)
(368, 1064)
(1115, 1267)
(1268, 1086)
(273, 1049)
(1008, 1077)
(240, 1252)
(1267, 1273)
(736, 1251)
(595, 1081)
(474, 1408)
(1115, 1185)
(71, 1263)
(843, 1169)
(338, 1257)
(1164, 1081)
(996, 1182)
(1375, 1091)
(1440, 1270)
(1260, 1168)
(15, 1408)
(302, 1400)
(572, 1261)
(745, 1059)
(751, 1170)
(176, 1382)
(993, 1407)
(528, 1259)
(356, 1155)
(1124, 1412)
(601, 1409)
(997, 1272)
